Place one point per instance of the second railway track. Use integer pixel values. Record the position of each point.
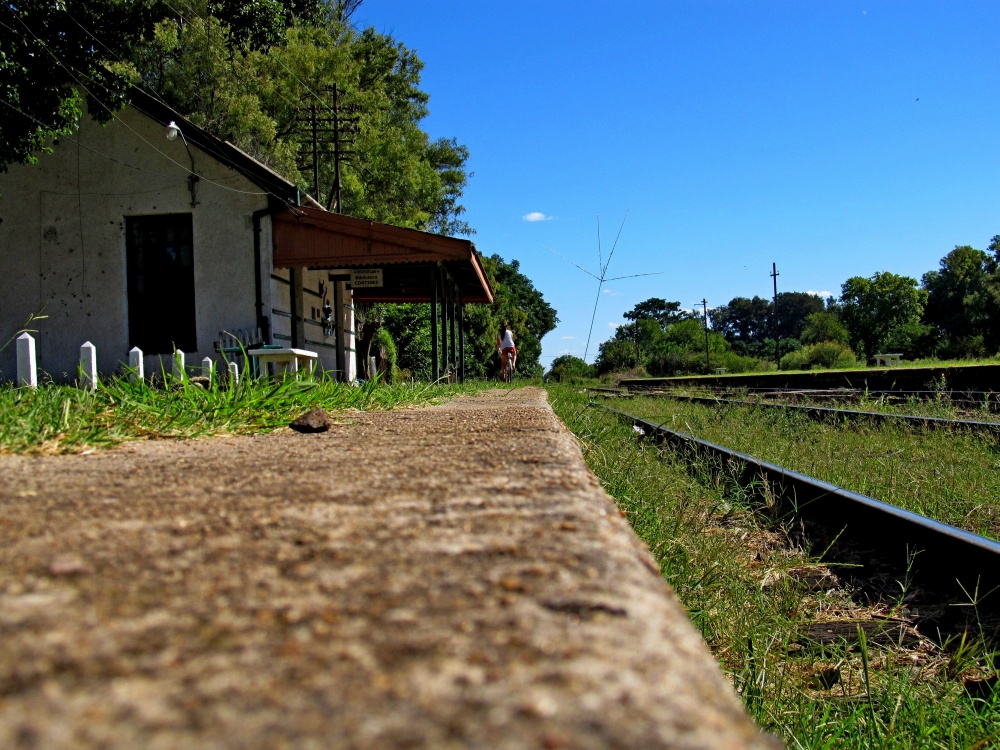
(938, 562)
(824, 412)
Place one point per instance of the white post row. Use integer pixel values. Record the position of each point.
(27, 365)
(135, 364)
(27, 369)
(88, 366)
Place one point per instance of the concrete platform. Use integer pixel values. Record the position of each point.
(436, 578)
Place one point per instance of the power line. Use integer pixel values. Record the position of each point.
(72, 73)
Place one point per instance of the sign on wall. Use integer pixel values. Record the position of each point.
(366, 277)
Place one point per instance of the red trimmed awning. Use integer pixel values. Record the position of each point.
(313, 238)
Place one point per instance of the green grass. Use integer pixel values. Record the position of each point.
(949, 475)
(64, 419)
(747, 592)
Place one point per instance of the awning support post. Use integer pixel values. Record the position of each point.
(435, 365)
(444, 320)
(295, 295)
(461, 338)
(338, 330)
(452, 329)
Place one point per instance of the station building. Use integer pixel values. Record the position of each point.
(149, 232)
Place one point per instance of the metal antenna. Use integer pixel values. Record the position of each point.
(603, 268)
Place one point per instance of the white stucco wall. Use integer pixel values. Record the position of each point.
(311, 307)
(62, 243)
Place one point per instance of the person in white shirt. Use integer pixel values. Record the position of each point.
(505, 345)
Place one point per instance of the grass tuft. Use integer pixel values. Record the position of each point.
(64, 419)
(759, 600)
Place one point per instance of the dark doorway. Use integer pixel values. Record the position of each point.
(160, 262)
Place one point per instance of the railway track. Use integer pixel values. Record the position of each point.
(823, 412)
(971, 400)
(938, 563)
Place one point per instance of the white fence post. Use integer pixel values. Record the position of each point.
(208, 369)
(27, 370)
(135, 364)
(234, 373)
(179, 364)
(88, 366)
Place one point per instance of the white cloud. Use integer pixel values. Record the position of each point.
(568, 338)
(536, 216)
(614, 326)
(612, 292)
(567, 351)
(821, 294)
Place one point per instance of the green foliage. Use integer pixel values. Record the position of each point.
(516, 300)
(663, 312)
(569, 369)
(956, 298)
(64, 419)
(963, 301)
(794, 309)
(914, 340)
(385, 352)
(745, 589)
(871, 307)
(409, 326)
(828, 354)
(49, 62)
(672, 349)
(743, 320)
(824, 326)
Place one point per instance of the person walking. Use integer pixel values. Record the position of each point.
(507, 349)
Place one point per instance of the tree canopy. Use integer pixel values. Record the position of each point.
(253, 73)
(872, 307)
(53, 54)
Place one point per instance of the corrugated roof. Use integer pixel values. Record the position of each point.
(313, 238)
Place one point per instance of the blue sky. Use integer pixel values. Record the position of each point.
(835, 138)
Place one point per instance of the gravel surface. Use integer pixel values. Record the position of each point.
(442, 577)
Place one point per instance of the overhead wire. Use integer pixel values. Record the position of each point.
(72, 71)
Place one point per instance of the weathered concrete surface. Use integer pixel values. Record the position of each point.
(445, 577)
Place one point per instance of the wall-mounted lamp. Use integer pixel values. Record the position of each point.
(173, 130)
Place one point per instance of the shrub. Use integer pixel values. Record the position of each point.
(733, 362)
(385, 349)
(829, 354)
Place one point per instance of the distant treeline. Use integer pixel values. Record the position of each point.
(952, 313)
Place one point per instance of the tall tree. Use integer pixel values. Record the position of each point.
(663, 312)
(958, 301)
(742, 320)
(872, 307)
(52, 57)
(793, 310)
(824, 326)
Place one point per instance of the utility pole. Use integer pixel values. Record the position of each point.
(704, 307)
(777, 348)
(320, 131)
(335, 193)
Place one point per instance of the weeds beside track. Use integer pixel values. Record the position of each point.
(815, 660)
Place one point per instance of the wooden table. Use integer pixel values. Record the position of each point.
(288, 359)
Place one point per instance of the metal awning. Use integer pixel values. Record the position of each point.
(313, 238)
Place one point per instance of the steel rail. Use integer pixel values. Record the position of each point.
(955, 564)
(822, 412)
(970, 396)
